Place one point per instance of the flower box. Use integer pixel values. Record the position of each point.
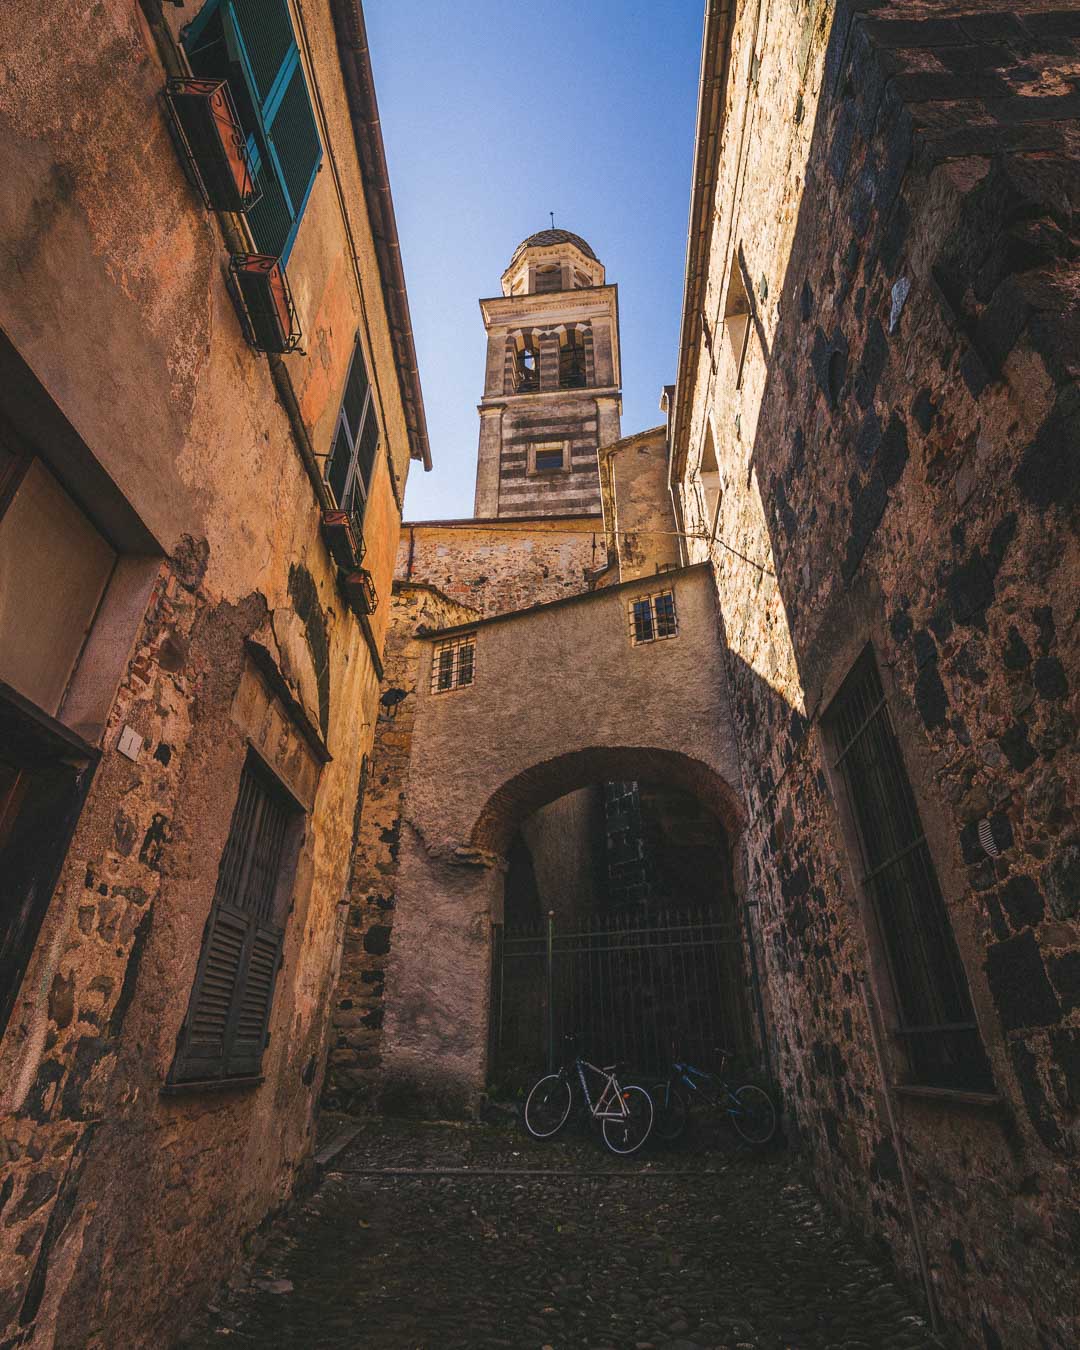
(212, 142)
(265, 302)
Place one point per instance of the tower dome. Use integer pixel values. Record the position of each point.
(545, 238)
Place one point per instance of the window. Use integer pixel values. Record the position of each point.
(737, 318)
(709, 473)
(454, 664)
(935, 1020)
(547, 456)
(225, 1031)
(572, 372)
(548, 279)
(356, 440)
(527, 367)
(653, 617)
(251, 44)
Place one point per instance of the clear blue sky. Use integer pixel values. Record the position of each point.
(493, 115)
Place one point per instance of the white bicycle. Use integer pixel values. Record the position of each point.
(625, 1113)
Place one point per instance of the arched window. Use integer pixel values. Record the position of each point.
(709, 474)
(548, 278)
(527, 367)
(572, 370)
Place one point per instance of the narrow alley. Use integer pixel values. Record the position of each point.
(435, 1234)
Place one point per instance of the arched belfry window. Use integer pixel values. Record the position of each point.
(548, 278)
(527, 365)
(573, 373)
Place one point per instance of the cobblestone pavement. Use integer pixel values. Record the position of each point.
(714, 1247)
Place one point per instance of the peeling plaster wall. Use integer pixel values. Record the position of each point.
(120, 1207)
(898, 466)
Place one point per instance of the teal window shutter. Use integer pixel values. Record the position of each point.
(283, 139)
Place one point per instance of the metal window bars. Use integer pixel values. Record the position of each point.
(935, 1018)
(453, 664)
(653, 617)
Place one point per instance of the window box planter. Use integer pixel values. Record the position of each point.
(344, 538)
(212, 142)
(264, 300)
(359, 590)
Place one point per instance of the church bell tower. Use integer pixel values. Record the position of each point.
(552, 391)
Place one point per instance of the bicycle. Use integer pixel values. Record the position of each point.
(750, 1108)
(625, 1113)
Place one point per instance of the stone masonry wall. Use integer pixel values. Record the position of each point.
(899, 465)
(355, 1060)
(497, 567)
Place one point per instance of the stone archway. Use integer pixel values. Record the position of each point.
(435, 1037)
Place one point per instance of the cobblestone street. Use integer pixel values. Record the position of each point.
(709, 1247)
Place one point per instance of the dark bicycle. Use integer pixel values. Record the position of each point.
(749, 1108)
(625, 1113)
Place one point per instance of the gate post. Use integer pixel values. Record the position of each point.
(550, 991)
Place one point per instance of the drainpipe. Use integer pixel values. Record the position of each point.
(901, 1155)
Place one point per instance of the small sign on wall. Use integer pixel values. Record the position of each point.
(130, 744)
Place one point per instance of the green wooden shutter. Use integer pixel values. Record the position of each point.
(285, 146)
(228, 1018)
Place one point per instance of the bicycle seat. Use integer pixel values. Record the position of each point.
(618, 1067)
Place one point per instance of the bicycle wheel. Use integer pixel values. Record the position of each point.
(547, 1107)
(670, 1112)
(629, 1132)
(755, 1115)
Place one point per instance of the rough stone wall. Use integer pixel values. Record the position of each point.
(497, 567)
(561, 838)
(638, 504)
(355, 1060)
(899, 467)
(122, 1206)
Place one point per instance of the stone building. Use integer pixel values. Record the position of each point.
(870, 456)
(875, 423)
(207, 418)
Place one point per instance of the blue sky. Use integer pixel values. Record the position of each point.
(493, 115)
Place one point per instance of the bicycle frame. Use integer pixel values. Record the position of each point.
(703, 1083)
(602, 1109)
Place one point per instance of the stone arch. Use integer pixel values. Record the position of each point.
(544, 782)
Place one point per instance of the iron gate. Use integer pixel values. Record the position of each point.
(628, 984)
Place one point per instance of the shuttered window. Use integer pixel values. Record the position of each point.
(225, 1032)
(935, 1022)
(252, 44)
(356, 441)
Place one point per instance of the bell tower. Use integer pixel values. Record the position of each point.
(552, 391)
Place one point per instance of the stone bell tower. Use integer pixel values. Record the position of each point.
(552, 387)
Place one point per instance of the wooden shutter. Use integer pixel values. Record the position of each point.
(286, 149)
(356, 440)
(229, 1013)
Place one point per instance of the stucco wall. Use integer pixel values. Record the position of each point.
(112, 290)
(898, 467)
(486, 756)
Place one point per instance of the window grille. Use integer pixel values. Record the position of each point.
(652, 617)
(453, 664)
(225, 1031)
(251, 44)
(356, 441)
(935, 1020)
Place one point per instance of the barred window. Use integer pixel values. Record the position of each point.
(653, 617)
(351, 464)
(935, 1020)
(226, 1028)
(453, 664)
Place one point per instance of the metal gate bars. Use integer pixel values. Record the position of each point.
(629, 984)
